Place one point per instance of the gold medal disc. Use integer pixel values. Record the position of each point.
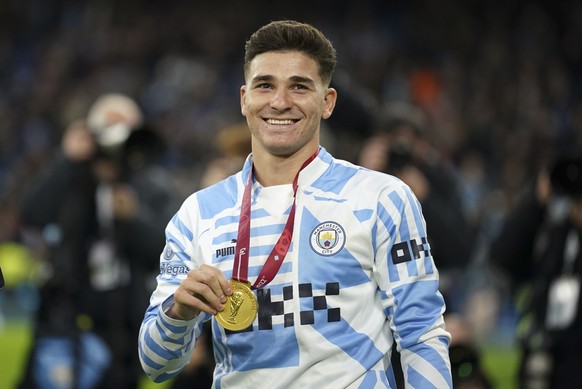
(240, 308)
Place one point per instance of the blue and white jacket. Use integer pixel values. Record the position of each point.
(359, 276)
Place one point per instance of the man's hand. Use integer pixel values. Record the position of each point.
(204, 289)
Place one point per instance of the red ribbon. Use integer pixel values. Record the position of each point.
(277, 255)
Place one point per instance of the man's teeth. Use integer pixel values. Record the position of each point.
(280, 122)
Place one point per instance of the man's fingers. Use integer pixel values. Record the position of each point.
(215, 279)
(204, 289)
(205, 293)
(187, 305)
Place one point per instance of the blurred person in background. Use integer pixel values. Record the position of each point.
(539, 250)
(233, 144)
(466, 362)
(99, 205)
(20, 268)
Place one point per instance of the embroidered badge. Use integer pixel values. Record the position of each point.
(168, 253)
(328, 238)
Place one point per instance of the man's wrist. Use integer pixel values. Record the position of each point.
(174, 315)
(172, 312)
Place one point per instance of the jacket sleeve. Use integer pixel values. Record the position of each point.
(165, 344)
(409, 284)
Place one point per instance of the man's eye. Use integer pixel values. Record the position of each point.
(299, 87)
(264, 86)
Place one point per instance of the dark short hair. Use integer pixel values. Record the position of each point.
(290, 35)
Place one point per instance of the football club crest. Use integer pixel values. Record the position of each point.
(328, 238)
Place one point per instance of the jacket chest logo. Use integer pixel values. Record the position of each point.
(327, 238)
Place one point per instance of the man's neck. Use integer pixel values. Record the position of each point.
(272, 170)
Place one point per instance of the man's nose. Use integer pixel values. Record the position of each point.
(281, 100)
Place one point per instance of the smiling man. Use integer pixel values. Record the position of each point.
(309, 267)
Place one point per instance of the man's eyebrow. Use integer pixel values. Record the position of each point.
(303, 80)
(299, 79)
(261, 78)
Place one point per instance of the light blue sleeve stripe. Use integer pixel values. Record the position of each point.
(420, 225)
(173, 329)
(166, 338)
(161, 351)
(182, 227)
(416, 211)
(183, 256)
(428, 265)
(387, 220)
(418, 305)
(147, 360)
(172, 239)
(399, 204)
(412, 269)
(166, 376)
(417, 380)
(433, 357)
(390, 227)
(374, 236)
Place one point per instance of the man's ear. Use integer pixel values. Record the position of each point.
(243, 105)
(329, 101)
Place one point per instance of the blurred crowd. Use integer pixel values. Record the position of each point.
(498, 82)
(464, 100)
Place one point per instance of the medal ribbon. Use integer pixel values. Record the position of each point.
(275, 258)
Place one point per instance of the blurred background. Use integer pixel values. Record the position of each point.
(491, 89)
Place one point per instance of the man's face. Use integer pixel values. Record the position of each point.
(284, 100)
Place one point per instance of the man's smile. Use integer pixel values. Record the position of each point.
(281, 122)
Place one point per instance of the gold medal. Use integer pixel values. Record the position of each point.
(240, 308)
